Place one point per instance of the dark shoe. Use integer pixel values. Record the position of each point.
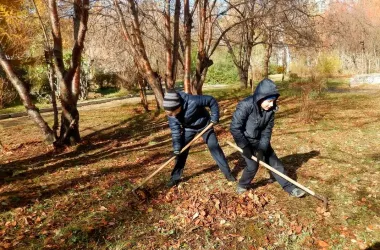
(172, 183)
(271, 177)
(270, 180)
(230, 178)
(297, 192)
(241, 190)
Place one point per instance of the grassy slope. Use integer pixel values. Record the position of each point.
(80, 197)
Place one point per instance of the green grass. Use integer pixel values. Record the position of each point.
(83, 194)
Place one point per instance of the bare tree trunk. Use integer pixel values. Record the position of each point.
(69, 79)
(242, 62)
(268, 55)
(202, 59)
(53, 97)
(137, 48)
(143, 97)
(243, 77)
(31, 109)
(284, 64)
(50, 67)
(187, 27)
(172, 46)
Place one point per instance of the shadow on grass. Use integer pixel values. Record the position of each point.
(110, 139)
(292, 164)
(29, 195)
(105, 144)
(375, 246)
(295, 161)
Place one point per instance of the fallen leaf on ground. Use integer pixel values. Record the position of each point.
(322, 243)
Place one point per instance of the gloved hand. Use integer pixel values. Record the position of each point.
(176, 153)
(214, 122)
(247, 152)
(259, 155)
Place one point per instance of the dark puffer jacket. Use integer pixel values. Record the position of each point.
(251, 125)
(193, 115)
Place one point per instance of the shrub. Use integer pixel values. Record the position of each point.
(104, 79)
(300, 67)
(223, 71)
(328, 65)
(308, 88)
(293, 77)
(38, 79)
(8, 94)
(275, 69)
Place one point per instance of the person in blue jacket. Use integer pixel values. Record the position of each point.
(251, 128)
(187, 115)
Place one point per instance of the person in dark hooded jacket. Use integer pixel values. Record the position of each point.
(187, 115)
(251, 128)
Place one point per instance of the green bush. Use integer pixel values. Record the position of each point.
(300, 67)
(38, 79)
(293, 77)
(328, 65)
(223, 71)
(8, 94)
(104, 80)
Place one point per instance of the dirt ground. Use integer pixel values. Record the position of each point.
(80, 197)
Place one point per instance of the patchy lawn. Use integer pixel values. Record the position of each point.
(80, 197)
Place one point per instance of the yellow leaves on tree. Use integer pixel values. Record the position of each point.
(16, 27)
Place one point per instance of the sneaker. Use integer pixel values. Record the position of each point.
(297, 192)
(230, 177)
(172, 183)
(241, 190)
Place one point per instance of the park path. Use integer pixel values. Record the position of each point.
(96, 104)
(10, 120)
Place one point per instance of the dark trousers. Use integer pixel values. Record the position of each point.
(270, 158)
(212, 143)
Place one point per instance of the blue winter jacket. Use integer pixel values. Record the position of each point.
(252, 125)
(193, 115)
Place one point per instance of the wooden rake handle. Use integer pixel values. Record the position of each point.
(324, 199)
(173, 157)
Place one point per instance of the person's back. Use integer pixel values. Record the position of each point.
(194, 113)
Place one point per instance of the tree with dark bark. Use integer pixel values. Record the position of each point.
(68, 79)
(210, 14)
(270, 23)
(15, 37)
(48, 52)
(245, 36)
(134, 39)
(24, 94)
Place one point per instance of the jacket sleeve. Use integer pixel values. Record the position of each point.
(266, 135)
(176, 129)
(239, 120)
(209, 101)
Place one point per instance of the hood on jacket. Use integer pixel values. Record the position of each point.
(264, 89)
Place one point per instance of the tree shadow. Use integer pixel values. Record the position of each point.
(109, 141)
(295, 161)
(375, 246)
(28, 195)
(376, 157)
(114, 141)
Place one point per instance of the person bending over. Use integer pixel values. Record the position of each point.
(187, 115)
(251, 128)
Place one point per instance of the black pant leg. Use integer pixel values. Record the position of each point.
(187, 136)
(249, 172)
(216, 151)
(274, 162)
